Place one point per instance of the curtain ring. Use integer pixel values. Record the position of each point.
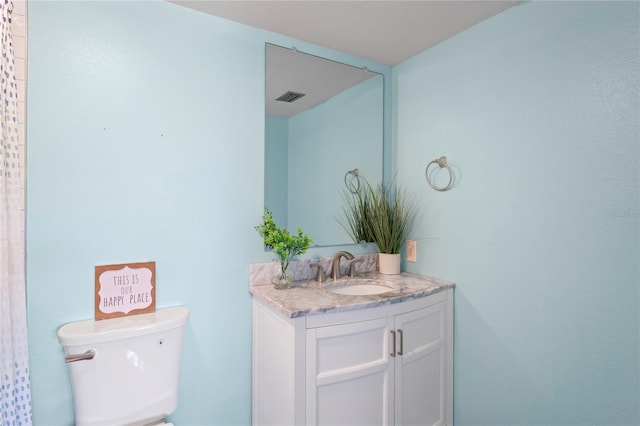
(352, 181)
(442, 162)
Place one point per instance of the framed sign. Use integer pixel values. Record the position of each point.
(126, 289)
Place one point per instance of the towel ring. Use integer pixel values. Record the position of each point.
(352, 181)
(442, 162)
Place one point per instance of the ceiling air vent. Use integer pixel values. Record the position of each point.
(290, 97)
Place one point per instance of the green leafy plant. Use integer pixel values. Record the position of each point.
(281, 241)
(383, 215)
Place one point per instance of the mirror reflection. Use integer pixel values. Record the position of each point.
(328, 121)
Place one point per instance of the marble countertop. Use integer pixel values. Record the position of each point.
(305, 298)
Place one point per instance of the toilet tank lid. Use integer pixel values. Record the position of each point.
(90, 331)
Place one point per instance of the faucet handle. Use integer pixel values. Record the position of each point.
(352, 267)
(321, 276)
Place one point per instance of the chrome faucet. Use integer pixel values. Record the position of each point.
(335, 264)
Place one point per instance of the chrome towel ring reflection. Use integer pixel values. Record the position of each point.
(442, 162)
(352, 181)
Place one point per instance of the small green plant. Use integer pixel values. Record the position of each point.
(393, 213)
(383, 215)
(281, 241)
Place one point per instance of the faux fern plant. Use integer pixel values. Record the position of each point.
(283, 243)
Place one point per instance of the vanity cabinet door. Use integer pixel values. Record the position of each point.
(421, 367)
(350, 374)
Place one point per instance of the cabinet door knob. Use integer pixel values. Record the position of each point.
(393, 343)
(401, 341)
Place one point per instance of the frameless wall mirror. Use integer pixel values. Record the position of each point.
(323, 119)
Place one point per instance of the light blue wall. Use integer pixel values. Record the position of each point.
(135, 152)
(537, 111)
(145, 142)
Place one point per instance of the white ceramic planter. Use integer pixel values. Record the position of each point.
(389, 264)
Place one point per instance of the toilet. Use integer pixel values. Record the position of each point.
(125, 371)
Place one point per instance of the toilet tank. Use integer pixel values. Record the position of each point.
(133, 377)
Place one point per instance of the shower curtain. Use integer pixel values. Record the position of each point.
(15, 394)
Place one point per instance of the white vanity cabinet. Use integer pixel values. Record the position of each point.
(386, 365)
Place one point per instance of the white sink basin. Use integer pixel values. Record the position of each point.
(359, 289)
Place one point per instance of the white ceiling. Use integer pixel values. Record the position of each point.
(388, 31)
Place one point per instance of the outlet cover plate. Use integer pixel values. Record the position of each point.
(411, 251)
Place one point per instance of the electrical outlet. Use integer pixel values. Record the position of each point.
(411, 250)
